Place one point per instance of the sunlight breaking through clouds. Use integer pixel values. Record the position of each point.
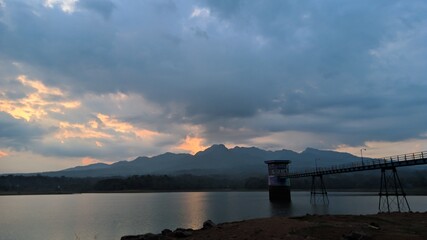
(82, 131)
(108, 128)
(36, 104)
(3, 153)
(192, 145)
(114, 79)
(92, 126)
(124, 127)
(90, 160)
(379, 149)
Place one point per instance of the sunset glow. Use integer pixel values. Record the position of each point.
(89, 160)
(384, 149)
(124, 127)
(192, 145)
(80, 79)
(69, 130)
(36, 104)
(3, 154)
(120, 118)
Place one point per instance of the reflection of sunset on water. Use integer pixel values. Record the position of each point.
(193, 207)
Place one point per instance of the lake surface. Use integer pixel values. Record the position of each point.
(112, 215)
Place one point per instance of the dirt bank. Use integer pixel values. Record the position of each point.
(379, 226)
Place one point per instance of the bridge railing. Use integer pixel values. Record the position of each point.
(406, 157)
(366, 163)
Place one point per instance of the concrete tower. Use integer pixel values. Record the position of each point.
(279, 186)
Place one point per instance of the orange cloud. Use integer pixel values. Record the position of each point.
(124, 127)
(109, 128)
(116, 125)
(88, 160)
(192, 145)
(3, 154)
(39, 86)
(37, 104)
(93, 124)
(378, 149)
(73, 130)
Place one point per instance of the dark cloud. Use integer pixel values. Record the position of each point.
(200, 33)
(243, 69)
(224, 8)
(18, 134)
(104, 7)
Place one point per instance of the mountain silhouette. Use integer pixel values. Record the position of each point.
(217, 159)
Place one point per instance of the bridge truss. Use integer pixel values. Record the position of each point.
(392, 196)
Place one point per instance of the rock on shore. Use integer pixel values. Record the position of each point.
(347, 227)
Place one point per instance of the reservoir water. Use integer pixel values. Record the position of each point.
(112, 215)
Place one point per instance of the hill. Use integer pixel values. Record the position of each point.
(215, 160)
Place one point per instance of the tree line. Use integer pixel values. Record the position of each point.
(11, 184)
(44, 184)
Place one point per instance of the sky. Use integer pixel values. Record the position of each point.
(87, 81)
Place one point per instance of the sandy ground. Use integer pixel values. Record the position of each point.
(379, 226)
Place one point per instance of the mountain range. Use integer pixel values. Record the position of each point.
(215, 160)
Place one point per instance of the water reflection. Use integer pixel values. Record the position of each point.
(295, 208)
(110, 216)
(320, 209)
(281, 208)
(193, 207)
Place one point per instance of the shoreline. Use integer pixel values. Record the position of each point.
(381, 226)
(364, 192)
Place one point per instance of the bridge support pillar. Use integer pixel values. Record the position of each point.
(392, 197)
(318, 194)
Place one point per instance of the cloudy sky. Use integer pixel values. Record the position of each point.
(84, 81)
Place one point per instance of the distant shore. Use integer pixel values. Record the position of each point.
(383, 226)
(370, 192)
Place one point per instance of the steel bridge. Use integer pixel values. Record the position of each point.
(392, 196)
